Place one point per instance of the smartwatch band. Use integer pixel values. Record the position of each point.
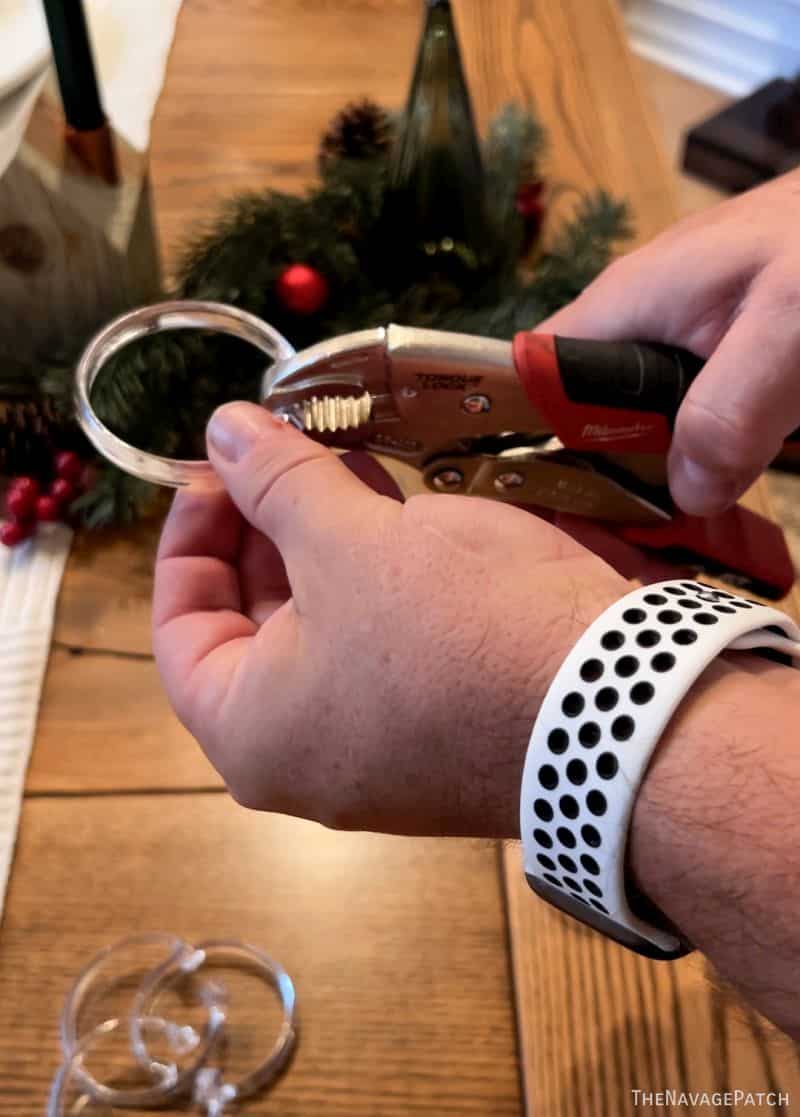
(596, 731)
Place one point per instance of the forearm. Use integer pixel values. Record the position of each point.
(715, 838)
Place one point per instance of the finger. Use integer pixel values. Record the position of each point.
(627, 560)
(199, 630)
(741, 407)
(294, 490)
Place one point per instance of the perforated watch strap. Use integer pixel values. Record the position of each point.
(598, 726)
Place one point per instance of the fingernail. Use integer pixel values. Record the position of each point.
(235, 427)
(700, 491)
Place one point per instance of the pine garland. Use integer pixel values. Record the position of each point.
(159, 392)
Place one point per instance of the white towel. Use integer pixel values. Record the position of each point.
(30, 576)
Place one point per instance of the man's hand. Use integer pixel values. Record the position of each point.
(726, 285)
(354, 660)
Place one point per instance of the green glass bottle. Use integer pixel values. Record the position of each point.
(435, 205)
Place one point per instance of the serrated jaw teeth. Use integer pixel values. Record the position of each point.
(336, 413)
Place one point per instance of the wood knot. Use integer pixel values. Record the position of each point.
(21, 248)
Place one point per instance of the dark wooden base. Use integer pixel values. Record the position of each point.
(749, 142)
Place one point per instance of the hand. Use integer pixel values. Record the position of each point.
(353, 660)
(726, 285)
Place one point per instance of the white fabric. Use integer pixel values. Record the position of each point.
(30, 576)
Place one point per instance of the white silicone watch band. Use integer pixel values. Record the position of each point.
(599, 724)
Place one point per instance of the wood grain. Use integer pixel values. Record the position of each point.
(105, 725)
(397, 947)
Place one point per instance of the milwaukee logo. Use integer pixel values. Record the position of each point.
(599, 432)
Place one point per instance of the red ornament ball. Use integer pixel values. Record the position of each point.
(68, 465)
(48, 509)
(21, 497)
(529, 200)
(15, 531)
(63, 491)
(302, 289)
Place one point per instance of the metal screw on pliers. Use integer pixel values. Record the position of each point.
(505, 481)
(476, 405)
(448, 479)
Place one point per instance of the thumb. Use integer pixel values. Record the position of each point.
(292, 489)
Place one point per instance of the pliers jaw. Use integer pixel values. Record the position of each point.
(405, 392)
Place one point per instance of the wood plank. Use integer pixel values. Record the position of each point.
(571, 62)
(400, 1015)
(105, 725)
(107, 590)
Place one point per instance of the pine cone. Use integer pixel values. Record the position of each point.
(30, 434)
(361, 130)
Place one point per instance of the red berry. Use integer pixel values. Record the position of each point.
(48, 509)
(63, 491)
(25, 485)
(21, 501)
(68, 465)
(14, 531)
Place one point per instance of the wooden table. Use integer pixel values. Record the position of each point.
(401, 948)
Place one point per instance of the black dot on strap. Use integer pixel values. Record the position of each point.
(548, 777)
(567, 863)
(684, 636)
(591, 835)
(554, 880)
(558, 740)
(622, 728)
(572, 883)
(591, 670)
(599, 906)
(569, 806)
(566, 837)
(543, 810)
(596, 802)
(723, 609)
(648, 638)
(655, 599)
(606, 698)
(543, 838)
(642, 693)
(634, 616)
(576, 772)
(741, 604)
(612, 640)
(674, 590)
(572, 704)
(689, 603)
(590, 886)
(589, 734)
(607, 765)
(705, 618)
(626, 666)
(664, 661)
(590, 865)
(545, 861)
(669, 616)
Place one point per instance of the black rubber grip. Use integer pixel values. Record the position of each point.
(636, 376)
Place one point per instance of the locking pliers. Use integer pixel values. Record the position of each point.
(544, 422)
